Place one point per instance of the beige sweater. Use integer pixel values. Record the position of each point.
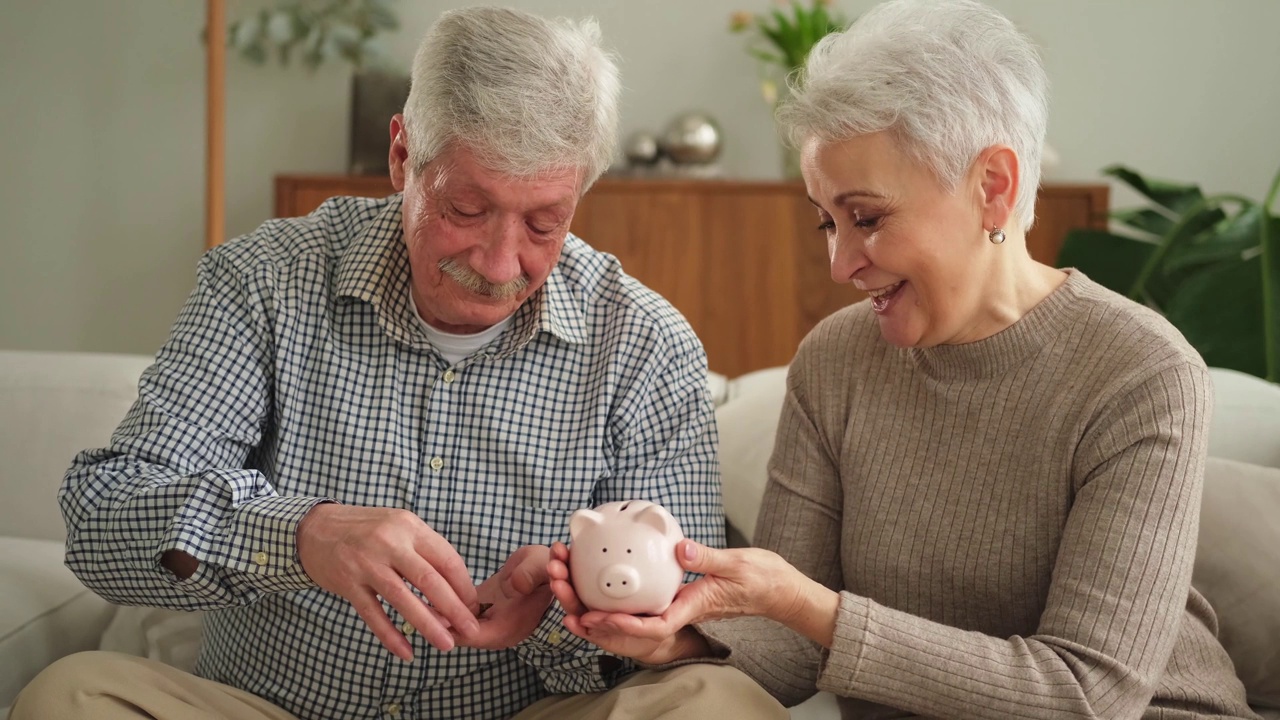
(1012, 522)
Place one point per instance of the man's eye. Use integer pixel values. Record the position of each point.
(459, 211)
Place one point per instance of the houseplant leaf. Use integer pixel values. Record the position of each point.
(1176, 197)
(1218, 312)
(1110, 260)
(1227, 240)
(1151, 222)
(1270, 278)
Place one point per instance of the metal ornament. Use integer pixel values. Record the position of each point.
(996, 236)
(693, 138)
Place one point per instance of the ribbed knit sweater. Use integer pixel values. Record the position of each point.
(1011, 523)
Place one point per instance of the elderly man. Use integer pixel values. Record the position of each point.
(359, 411)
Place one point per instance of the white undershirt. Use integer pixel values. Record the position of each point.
(456, 347)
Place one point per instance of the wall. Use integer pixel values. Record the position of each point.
(102, 131)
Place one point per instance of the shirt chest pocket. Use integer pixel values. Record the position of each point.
(552, 473)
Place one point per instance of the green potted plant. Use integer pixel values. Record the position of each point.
(781, 40)
(1210, 264)
(316, 31)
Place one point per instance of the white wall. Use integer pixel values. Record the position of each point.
(101, 137)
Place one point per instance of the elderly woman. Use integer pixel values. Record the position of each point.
(984, 495)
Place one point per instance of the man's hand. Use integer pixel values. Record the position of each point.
(361, 553)
(515, 598)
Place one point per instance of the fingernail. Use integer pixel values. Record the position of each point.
(690, 552)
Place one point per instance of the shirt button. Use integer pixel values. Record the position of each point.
(449, 375)
(393, 709)
(555, 637)
(406, 628)
(260, 558)
(437, 463)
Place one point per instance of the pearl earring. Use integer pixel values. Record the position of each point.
(996, 236)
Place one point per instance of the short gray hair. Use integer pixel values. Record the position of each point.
(524, 93)
(948, 78)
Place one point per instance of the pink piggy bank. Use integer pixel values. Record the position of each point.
(623, 557)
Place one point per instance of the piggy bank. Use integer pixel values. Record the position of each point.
(622, 557)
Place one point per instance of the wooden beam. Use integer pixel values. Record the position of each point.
(215, 129)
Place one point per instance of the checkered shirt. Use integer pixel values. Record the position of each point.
(297, 373)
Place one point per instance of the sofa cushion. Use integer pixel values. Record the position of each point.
(1246, 418)
(45, 612)
(52, 406)
(1238, 569)
(748, 422)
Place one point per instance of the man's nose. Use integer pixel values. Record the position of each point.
(498, 258)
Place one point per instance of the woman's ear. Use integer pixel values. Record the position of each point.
(998, 178)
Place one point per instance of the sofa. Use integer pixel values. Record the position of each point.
(54, 404)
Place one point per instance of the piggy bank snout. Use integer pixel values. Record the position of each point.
(619, 581)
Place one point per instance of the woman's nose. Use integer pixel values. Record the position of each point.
(848, 257)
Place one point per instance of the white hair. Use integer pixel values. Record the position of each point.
(523, 93)
(948, 79)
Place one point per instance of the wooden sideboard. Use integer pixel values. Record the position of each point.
(742, 260)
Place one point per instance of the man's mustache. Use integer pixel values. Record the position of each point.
(475, 282)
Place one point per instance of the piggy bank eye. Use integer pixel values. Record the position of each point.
(604, 550)
(628, 551)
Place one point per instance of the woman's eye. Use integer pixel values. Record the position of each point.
(867, 223)
(827, 226)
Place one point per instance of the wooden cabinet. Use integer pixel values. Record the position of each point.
(742, 260)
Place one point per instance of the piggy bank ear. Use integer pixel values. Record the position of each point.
(657, 518)
(582, 520)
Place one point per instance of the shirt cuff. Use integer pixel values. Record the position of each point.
(839, 671)
(260, 549)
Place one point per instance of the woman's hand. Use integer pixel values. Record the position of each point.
(738, 582)
(650, 650)
(512, 602)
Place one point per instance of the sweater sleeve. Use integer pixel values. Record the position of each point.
(1118, 589)
(800, 520)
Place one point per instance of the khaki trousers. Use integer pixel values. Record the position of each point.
(111, 686)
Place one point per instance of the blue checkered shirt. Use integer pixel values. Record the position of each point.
(296, 372)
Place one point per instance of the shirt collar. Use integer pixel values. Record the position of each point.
(374, 268)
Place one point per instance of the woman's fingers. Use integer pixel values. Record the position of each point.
(567, 597)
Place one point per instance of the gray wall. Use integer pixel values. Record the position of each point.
(102, 132)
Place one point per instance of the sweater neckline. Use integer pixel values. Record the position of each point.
(1011, 346)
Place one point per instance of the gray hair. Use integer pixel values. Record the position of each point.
(524, 93)
(948, 78)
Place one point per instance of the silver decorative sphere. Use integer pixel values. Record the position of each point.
(692, 138)
(641, 149)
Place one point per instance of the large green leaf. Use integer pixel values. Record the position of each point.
(1175, 196)
(1113, 261)
(1228, 240)
(1270, 261)
(1219, 310)
(1147, 220)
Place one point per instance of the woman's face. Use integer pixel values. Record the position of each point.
(894, 232)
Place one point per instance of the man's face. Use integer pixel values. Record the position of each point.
(480, 242)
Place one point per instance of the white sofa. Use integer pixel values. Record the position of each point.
(54, 404)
